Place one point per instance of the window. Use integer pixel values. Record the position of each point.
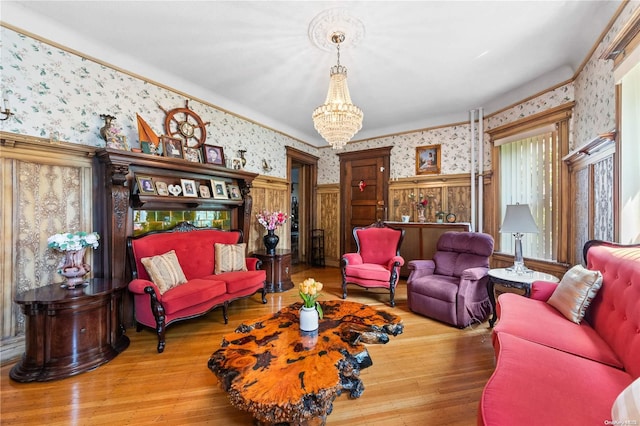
(529, 175)
(528, 169)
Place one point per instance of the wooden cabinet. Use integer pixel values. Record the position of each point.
(70, 331)
(420, 239)
(278, 267)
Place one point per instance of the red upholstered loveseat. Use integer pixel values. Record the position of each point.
(203, 291)
(552, 371)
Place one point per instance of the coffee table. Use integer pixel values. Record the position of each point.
(282, 375)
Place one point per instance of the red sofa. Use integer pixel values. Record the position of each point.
(552, 371)
(203, 291)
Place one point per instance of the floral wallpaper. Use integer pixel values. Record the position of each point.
(594, 112)
(59, 95)
(454, 142)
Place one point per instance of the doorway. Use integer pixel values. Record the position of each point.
(302, 174)
(364, 191)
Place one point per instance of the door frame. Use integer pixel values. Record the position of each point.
(345, 191)
(307, 196)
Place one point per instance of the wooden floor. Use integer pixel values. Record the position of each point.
(432, 374)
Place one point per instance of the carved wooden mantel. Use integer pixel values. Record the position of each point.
(116, 197)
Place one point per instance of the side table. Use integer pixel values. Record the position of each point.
(278, 267)
(70, 331)
(510, 279)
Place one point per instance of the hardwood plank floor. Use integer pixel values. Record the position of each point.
(432, 374)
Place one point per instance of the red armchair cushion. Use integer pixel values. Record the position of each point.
(369, 271)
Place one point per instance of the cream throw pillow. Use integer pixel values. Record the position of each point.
(165, 270)
(626, 407)
(575, 292)
(229, 257)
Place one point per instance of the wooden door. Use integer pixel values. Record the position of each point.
(364, 179)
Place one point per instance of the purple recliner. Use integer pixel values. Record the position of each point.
(452, 287)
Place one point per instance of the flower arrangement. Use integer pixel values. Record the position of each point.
(72, 241)
(271, 220)
(309, 291)
(422, 202)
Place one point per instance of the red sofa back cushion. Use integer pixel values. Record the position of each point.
(615, 311)
(194, 249)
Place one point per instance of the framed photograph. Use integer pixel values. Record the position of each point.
(189, 188)
(145, 185)
(428, 160)
(213, 154)
(191, 154)
(171, 147)
(162, 188)
(236, 163)
(219, 189)
(234, 192)
(204, 191)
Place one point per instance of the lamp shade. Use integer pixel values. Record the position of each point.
(518, 219)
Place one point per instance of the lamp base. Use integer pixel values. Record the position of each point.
(518, 261)
(519, 268)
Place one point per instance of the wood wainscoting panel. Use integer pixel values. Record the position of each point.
(328, 218)
(47, 189)
(459, 202)
(272, 194)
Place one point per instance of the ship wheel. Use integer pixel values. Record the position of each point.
(182, 122)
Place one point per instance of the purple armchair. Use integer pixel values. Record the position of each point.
(377, 262)
(453, 286)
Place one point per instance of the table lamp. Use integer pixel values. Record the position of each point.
(518, 221)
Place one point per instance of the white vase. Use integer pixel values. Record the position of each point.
(308, 319)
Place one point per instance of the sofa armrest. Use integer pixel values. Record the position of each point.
(542, 290)
(138, 286)
(252, 263)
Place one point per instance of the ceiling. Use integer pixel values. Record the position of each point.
(418, 63)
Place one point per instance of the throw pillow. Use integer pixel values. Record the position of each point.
(575, 292)
(229, 257)
(626, 407)
(164, 270)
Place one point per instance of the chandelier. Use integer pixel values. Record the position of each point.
(337, 120)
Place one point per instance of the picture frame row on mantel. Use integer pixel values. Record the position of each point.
(216, 189)
(175, 148)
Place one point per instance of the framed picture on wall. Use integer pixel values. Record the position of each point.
(428, 160)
